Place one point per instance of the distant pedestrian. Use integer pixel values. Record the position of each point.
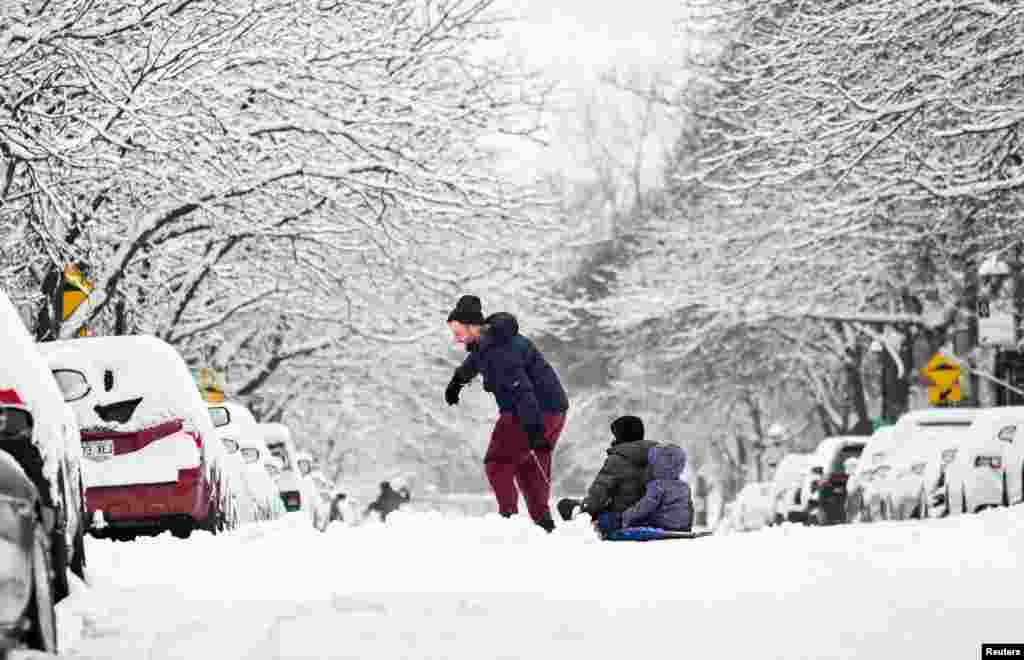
(388, 500)
(531, 406)
(338, 507)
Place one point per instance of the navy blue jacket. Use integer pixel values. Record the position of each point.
(515, 372)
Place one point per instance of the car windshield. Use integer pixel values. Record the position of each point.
(928, 435)
(847, 452)
(73, 384)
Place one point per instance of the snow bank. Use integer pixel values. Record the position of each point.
(428, 585)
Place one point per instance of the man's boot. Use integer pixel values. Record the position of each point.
(546, 523)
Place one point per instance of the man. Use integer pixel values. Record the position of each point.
(531, 406)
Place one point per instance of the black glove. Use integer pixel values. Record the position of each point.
(451, 393)
(535, 438)
(567, 508)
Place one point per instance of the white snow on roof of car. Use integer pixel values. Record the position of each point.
(141, 366)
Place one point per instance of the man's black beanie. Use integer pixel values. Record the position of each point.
(467, 311)
(627, 428)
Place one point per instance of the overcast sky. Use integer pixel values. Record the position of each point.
(575, 42)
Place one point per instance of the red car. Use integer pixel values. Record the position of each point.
(152, 461)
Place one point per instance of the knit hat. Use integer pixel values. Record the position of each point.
(467, 311)
(628, 428)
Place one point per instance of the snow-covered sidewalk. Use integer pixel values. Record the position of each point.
(428, 586)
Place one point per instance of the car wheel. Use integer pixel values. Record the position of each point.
(59, 564)
(78, 561)
(42, 631)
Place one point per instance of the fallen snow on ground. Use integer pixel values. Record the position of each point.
(428, 585)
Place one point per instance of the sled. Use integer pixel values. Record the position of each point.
(651, 534)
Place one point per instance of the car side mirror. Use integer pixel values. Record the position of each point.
(230, 445)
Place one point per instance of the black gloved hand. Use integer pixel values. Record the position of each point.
(451, 393)
(535, 438)
(567, 508)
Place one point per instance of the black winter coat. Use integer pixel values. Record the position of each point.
(622, 480)
(515, 372)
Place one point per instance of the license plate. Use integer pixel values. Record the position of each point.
(98, 449)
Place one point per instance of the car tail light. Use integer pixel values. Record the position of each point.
(10, 396)
(948, 455)
(918, 468)
(994, 462)
(187, 479)
(292, 501)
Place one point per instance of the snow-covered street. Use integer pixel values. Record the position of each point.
(433, 586)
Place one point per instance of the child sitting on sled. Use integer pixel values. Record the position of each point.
(666, 503)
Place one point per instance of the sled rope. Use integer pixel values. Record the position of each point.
(540, 468)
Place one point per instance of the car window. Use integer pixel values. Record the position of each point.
(73, 384)
(849, 451)
(15, 422)
(220, 416)
(278, 449)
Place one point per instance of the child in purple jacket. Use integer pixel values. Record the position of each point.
(666, 504)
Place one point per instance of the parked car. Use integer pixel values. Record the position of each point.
(296, 489)
(980, 474)
(786, 489)
(754, 507)
(824, 489)
(40, 432)
(262, 468)
(878, 447)
(1013, 461)
(27, 618)
(928, 441)
(325, 496)
(876, 490)
(153, 462)
(232, 421)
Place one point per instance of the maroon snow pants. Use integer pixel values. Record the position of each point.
(509, 462)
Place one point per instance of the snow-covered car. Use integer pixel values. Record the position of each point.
(753, 509)
(325, 495)
(39, 430)
(787, 505)
(262, 468)
(928, 441)
(879, 446)
(27, 618)
(152, 461)
(232, 421)
(824, 488)
(987, 463)
(296, 489)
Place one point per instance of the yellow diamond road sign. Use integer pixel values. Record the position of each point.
(943, 377)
